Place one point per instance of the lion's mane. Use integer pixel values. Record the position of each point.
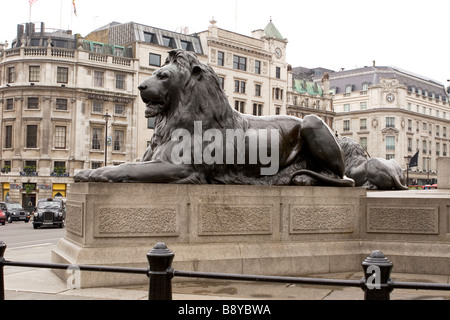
(200, 99)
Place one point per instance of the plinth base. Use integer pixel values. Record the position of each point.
(269, 230)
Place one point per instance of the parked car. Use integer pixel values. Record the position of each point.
(14, 212)
(49, 213)
(2, 218)
(2, 213)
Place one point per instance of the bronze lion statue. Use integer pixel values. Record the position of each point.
(200, 139)
(370, 173)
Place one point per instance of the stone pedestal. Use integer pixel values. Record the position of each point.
(268, 230)
(443, 169)
(214, 228)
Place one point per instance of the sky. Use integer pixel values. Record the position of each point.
(334, 34)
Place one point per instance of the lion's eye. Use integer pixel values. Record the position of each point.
(163, 76)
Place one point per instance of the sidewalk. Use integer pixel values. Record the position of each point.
(43, 284)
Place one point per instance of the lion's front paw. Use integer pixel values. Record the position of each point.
(106, 174)
(83, 176)
(304, 180)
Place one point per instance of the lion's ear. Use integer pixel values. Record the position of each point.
(197, 72)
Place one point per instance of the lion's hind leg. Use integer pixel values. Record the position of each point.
(322, 145)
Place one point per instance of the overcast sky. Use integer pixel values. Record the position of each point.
(408, 34)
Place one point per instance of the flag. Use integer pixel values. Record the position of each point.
(414, 159)
(32, 2)
(74, 7)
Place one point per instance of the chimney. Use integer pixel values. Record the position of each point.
(373, 63)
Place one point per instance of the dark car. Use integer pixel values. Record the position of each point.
(15, 212)
(49, 213)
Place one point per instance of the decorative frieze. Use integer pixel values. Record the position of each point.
(403, 219)
(226, 219)
(321, 219)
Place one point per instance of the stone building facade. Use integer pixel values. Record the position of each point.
(394, 114)
(55, 92)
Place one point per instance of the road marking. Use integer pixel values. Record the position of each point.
(31, 246)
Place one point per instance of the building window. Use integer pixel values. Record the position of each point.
(445, 131)
(97, 107)
(409, 125)
(363, 124)
(390, 156)
(187, 45)
(169, 42)
(222, 82)
(438, 148)
(96, 165)
(438, 130)
(98, 78)
(34, 73)
(33, 103)
(239, 86)
(11, 77)
(239, 106)
(151, 123)
(257, 109)
(119, 140)
(257, 67)
(349, 88)
(119, 109)
(346, 107)
(61, 104)
(363, 105)
(363, 142)
(390, 122)
(97, 48)
(239, 63)
(120, 81)
(31, 136)
(424, 146)
(278, 72)
(220, 58)
(96, 138)
(258, 90)
(150, 38)
(155, 60)
(277, 94)
(62, 75)
(409, 144)
(346, 125)
(118, 52)
(444, 152)
(390, 143)
(10, 104)
(60, 137)
(277, 110)
(8, 137)
(365, 87)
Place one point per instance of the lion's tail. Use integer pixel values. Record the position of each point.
(336, 182)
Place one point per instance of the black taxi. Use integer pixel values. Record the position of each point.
(49, 212)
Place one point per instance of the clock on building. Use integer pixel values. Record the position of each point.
(390, 97)
(278, 53)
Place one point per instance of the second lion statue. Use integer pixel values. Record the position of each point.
(199, 138)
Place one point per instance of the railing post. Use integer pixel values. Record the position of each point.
(377, 285)
(160, 260)
(2, 279)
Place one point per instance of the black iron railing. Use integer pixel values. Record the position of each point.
(377, 286)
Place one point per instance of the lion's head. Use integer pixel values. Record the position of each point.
(354, 154)
(182, 84)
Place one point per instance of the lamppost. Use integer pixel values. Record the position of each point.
(106, 116)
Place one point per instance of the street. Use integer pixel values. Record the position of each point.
(27, 244)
